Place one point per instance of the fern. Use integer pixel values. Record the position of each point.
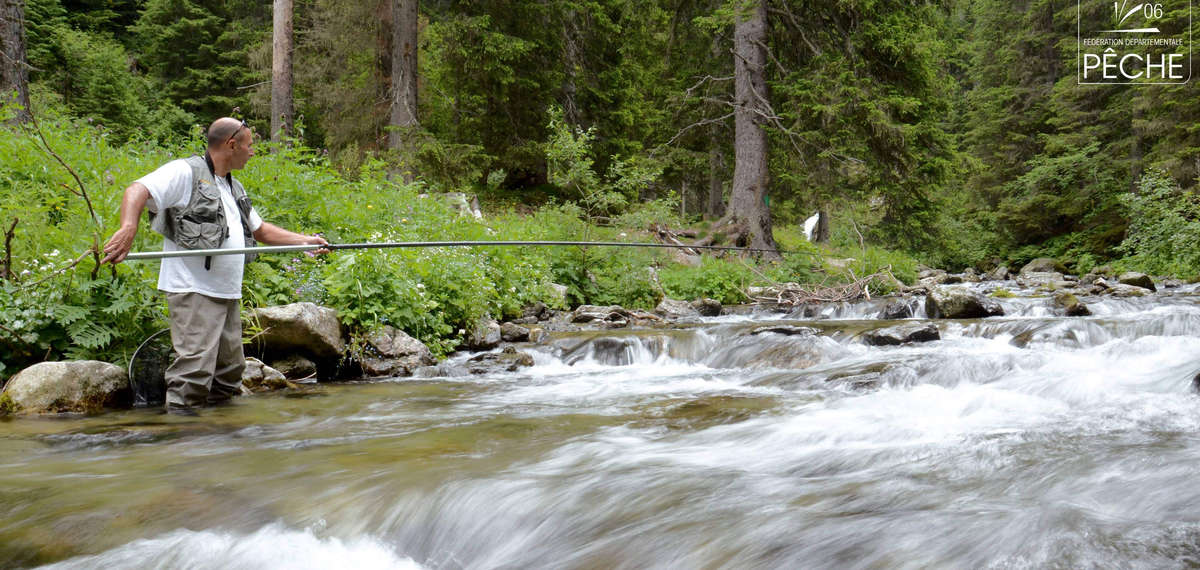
(66, 315)
(89, 334)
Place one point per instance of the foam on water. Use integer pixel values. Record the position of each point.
(273, 546)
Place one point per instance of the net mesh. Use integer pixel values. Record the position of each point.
(148, 368)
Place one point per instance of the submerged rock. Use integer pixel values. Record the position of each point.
(959, 303)
(787, 330)
(902, 334)
(85, 386)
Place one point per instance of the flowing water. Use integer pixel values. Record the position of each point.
(1029, 440)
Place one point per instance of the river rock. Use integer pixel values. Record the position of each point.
(537, 311)
(295, 366)
(593, 313)
(1043, 265)
(959, 303)
(1071, 305)
(538, 335)
(392, 352)
(932, 277)
(86, 386)
(786, 330)
(300, 327)
(902, 334)
(707, 307)
(898, 309)
(1137, 280)
(484, 336)
(510, 332)
(675, 309)
(508, 360)
(1047, 279)
(1122, 290)
(1000, 273)
(258, 377)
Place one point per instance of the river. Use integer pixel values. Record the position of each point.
(1029, 440)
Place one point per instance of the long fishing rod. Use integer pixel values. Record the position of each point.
(147, 255)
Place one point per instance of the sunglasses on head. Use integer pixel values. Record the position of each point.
(241, 126)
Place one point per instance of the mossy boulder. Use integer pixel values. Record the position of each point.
(1137, 280)
(1071, 305)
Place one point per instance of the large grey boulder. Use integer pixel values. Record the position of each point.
(1137, 280)
(902, 334)
(675, 309)
(959, 303)
(392, 352)
(86, 386)
(1044, 265)
(300, 327)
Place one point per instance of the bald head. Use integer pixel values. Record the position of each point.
(223, 129)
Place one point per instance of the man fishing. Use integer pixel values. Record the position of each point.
(197, 204)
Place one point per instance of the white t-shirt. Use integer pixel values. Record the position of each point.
(171, 187)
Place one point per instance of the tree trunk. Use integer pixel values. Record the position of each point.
(748, 207)
(716, 162)
(282, 109)
(821, 235)
(404, 71)
(14, 71)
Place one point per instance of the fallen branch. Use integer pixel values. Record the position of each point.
(794, 294)
(6, 272)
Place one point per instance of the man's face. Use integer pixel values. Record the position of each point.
(242, 148)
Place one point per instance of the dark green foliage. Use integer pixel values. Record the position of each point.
(1164, 227)
(196, 50)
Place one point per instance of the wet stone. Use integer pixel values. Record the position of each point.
(787, 330)
(902, 334)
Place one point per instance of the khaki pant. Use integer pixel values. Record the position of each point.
(207, 335)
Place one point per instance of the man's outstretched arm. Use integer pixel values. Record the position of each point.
(271, 234)
(132, 204)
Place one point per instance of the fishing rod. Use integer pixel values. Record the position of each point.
(148, 255)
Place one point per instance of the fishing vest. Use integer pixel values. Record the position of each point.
(201, 224)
